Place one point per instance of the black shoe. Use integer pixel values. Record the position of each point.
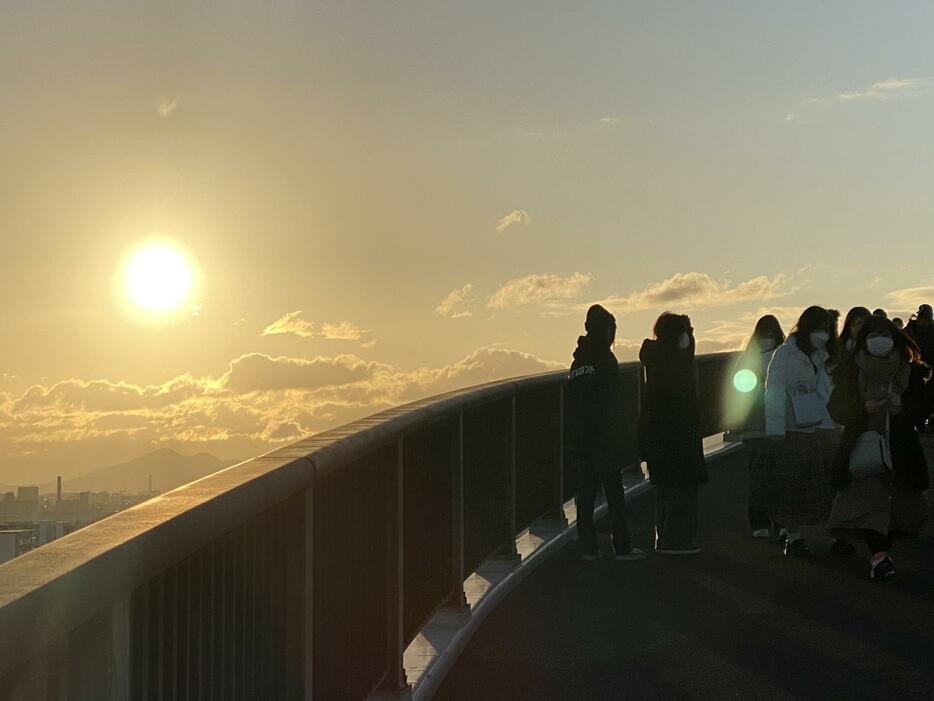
(843, 548)
(797, 548)
(882, 569)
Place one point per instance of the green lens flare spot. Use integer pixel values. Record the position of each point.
(745, 380)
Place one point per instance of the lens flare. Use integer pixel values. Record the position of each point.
(745, 380)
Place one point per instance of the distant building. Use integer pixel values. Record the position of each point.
(50, 530)
(14, 542)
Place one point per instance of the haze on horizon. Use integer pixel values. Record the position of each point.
(384, 201)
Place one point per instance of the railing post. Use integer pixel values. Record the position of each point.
(120, 650)
(509, 551)
(458, 599)
(309, 593)
(395, 685)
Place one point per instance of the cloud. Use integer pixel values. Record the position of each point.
(165, 108)
(517, 216)
(793, 118)
(910, 298)
(609, 120)
(457, 303)
(258, 402)
(540, 289)
(885, 89)
(293, 323)
(694, 290)
(531, 134)
(875, 283)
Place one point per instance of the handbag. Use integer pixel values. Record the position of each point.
(871, 454)
(808, 408)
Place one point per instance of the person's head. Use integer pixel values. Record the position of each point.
(899, 324)
(768, 334)
(925, 314)
(879, 337)
(834, 316)
(855, 319)
(814, 331)
(674, 330)
(880, 312)
(600, 325)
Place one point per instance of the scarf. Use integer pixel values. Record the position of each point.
(880, 378)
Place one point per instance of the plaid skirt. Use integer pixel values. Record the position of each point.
(789, 479)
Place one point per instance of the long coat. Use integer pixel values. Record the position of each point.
(670, 439)
(909, 465)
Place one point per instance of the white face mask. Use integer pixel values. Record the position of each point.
(819, 339)
(880, 345)
(684, 341)
(767, 344)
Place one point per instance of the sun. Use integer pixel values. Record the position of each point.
(158, 278)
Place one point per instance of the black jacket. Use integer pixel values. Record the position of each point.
(924, 337)
(846, 406)
(670, 439)
(593, 403)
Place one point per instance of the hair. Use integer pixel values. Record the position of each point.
(880, 312)
(814, 319)
(669, 326)
(898, 320)
(852, 316)
(925, 312)
(907, 348)
(767, 327)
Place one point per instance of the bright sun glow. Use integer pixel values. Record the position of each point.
(745, 380)
(158, 279)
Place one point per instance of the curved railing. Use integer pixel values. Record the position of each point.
(305, 572)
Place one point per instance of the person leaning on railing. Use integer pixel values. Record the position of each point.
(879, 469)
(746, 405)
(670, 438)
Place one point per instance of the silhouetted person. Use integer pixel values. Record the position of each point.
(792, 471)
(746, 405)
(880, 312)
(670, 437)
(854, 321)
(921, 330)
(877, 397)
(593, 417)
(899, 324)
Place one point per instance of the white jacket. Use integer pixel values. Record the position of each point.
(791, 367)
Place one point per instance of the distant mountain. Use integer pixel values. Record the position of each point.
(168, 469)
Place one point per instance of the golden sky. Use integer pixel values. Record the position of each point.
(384, 200)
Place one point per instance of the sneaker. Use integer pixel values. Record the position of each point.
(842, 547)
(694, 550)
(881, 568)
(761, 533)
(797, 548)
(633, 554)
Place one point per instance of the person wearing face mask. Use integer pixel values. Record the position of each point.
(854, 321)
(669, 433)
(790, 474)
(746, 404)
(593, 406)
(877, 396)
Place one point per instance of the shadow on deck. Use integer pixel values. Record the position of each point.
(737, 621)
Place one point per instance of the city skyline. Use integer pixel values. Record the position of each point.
(381, 203)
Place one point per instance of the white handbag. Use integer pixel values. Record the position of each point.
(871, 454)
(808, 408)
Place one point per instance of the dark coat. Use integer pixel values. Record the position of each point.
(594, 401)
(670, 439)
(924, 337)
(846, 406)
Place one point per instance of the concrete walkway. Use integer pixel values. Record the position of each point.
(738, 621)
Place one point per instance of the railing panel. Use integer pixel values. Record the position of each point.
(713, 376)
(487, 482)
(352, 510)
(538, 453)
(430, 457)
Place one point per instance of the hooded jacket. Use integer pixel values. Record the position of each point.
(746, 410)
(670, 438)
(593, 403)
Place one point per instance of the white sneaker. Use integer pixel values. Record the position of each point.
(761, 533)
(633, 554)
(677, 551)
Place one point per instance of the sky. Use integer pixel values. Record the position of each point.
(381, 201)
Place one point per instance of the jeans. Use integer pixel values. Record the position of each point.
(595, 470)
